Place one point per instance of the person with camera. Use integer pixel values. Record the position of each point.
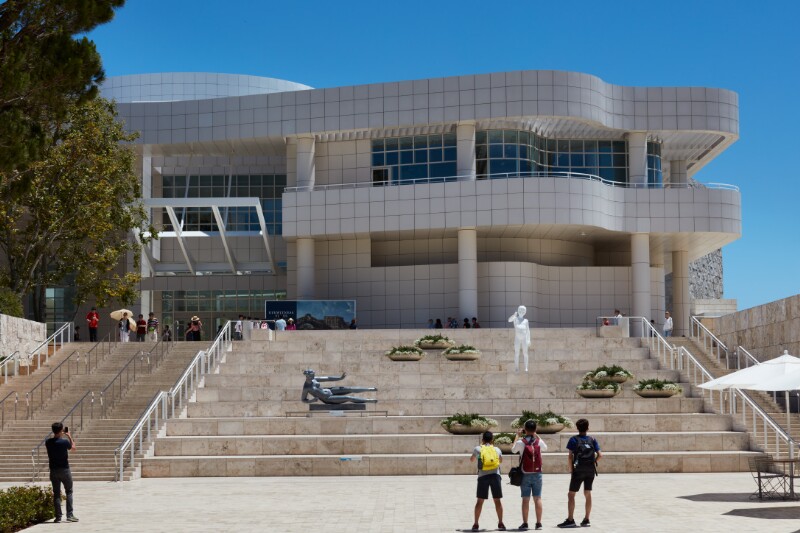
(530, 447)
(58, 448)
(584, 452)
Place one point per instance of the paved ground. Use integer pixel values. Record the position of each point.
(623, 502)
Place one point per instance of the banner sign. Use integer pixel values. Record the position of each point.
(312, 314)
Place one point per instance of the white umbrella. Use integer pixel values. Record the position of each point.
(779, 374)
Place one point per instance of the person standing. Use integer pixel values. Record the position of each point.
(280, 324)
(141, 328)
(167, 335)
(193, 332)
(584, 452)
(237, 329)
(430, 324)
(290, 325)
(667, 325)
(466, 323)
(124, 328)
(489, 458)
(58, 448)
(152, 327)
(530, 447)
(92, 321)
(475, 324)
(438, 324)
(353, 324)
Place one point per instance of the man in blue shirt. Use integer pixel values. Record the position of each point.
(58, 448)
(584, 452)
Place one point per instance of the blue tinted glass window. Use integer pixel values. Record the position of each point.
(495, 137)
(434, 140)
(503, 166)
(450, 154)
(406, 157)
(420, 141)
(377, 160)
(510, 151)
(406, 143)
(449, 139)
(377, 144)
(480, 151)
(391, 144)
(435, 155)
(480, 137)
(495, 151)
(443, 170)
(420, 156)
(392, 158)
(576, 160)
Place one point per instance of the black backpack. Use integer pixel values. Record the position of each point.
(584, 454)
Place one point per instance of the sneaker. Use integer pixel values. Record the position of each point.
(585, 523)
(72, 518)
(524, 526)
(538, 525)
(568, 523)
(501, 526)
(57, 520)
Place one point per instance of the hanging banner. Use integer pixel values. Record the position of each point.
(312, 314)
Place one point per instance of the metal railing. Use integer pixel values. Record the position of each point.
(143, 431)
(3, 407)
(136, 365)
(544, 174)
(163, 405)
(76, 414)
(699, 333)
(11, 361)
(56, 341)
(749, 359)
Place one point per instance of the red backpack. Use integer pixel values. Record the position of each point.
(531, 456)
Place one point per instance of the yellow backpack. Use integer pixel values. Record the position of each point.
(489, 459)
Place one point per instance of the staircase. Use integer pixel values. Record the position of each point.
(99, 437)
(762, 399)
(238, 423)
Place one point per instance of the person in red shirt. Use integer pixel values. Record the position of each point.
(93, 320)
(141, 328)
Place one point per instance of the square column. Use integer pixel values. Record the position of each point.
(305, 269)
(465, 151)
(640, 277)
(677, 172)
(306, 167)
(467, 273)
(637, 158)
(681, 301)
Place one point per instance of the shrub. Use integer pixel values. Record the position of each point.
(463, 348)
(9, 303)
(469, 419)
(405, 350)
(548, 418)
(608, 372)
(438, 340)
(504, 438)
(657, 384)
(598, 385)
(22, 507)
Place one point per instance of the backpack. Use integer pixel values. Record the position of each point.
(583, 457)
(531, 459)
(489, 460)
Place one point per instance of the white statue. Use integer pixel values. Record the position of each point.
(522, 336)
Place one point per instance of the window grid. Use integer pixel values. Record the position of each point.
(654, 174)
(400, 159)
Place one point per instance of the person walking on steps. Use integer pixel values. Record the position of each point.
(58, 448)
(584, 452)
(530, 447)
(489, 458)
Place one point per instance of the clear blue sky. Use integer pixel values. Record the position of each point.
(749, 47)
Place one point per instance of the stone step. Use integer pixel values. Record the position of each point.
(435, 443)
(428, 464)
(448, 407)
(378, 425)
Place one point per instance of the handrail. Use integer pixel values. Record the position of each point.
(203, 363)
(710, 342)
(3, 407)
(749, 358)
(30, 395)
(36, 452)
(149, 419)
(6, 362)
(539, 174)
(145, 358)
(65, 331)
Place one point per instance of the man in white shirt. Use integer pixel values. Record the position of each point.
(280, 324)
(237, 328)
(667, 325)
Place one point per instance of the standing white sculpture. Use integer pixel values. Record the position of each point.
(522, 336)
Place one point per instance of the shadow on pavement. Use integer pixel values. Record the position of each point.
(769, 513)
(719, 497)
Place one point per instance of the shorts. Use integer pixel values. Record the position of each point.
(493, 481)
(531, 485)
(578, 477)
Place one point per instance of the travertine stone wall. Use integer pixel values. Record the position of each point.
(765, 331)
(705, 279)
(20, 334)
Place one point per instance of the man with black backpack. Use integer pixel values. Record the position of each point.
(530, 447)
(584, 452)
(489, 458)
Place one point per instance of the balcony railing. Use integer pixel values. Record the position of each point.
(561, 175)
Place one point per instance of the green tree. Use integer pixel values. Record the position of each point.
(43, 70)
(77, 216)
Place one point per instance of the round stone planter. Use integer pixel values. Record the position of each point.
(434, 345)
(465, 356)
(613, 379)
(459, 429)
(549, 429)
(656, 393)
(600, 393)
(405, 356)
(505, 448)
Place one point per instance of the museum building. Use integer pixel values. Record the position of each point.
(462, 196)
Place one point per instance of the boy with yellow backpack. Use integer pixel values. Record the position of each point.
(489, 458)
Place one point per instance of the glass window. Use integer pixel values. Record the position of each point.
(406, 143)
(495, 137)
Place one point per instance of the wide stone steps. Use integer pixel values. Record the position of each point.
(428, 464)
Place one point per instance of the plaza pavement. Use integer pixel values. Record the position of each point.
(622, 502)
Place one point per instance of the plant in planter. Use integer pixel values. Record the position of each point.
(613, 373)
(463, 352)
(546, 423)
(405, 353)
(657, 388)
(468, 424)
(434, 342)
(504, 441)
(598, 389)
